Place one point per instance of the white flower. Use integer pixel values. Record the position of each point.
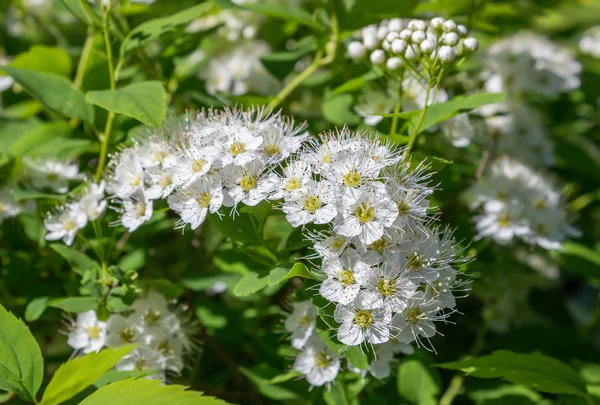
(296, 176)
(121, 330)
(318, 363)
(239, 147)
(161, 183)
(65, 223)
(301, 323)
(8, 206)
(143, 359)
(359, 324)
(367, 217)
(193, 160)
(88, 333)
(193, 203)
(589, 43)
(345, 275)
(416, 321)
(51, 173)
(372, 103)
(386, 287)
(93, 202)
(247, 184)
(127, 173)
(458, 130)
(313, 203)
(136, 210)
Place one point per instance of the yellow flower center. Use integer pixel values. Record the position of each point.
(322, 359)
(152, 316)
(165, 180)
(292, 184)
(413, 314)
(248, 182)
(69, 224)
(197, 165)
(160, 155)
(539, 204)
(352, 178)
(363, 318)
(305, 321)
(312, 204)
(204, 200)
(93, 332)
(237, 148)
(403, 208)
(127, 335)
(140, 209)
(52, 177)
(141, 365)
(165, 348)
(2, 206)
(504, 221)
(271, 150)
(338, 243)
(364, 213)
(327, 159)
(346, 277)
(379, 245)
(415, 261)
(386, 286)
(135, 180)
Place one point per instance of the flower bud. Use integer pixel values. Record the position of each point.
(449, 26)
(447, 54)
(399, 46)
(356, 50)
(382, 32)
(417, 25)
(427, 46)
(411, 53)
(418, 37)
(395, 25)
(377, 57)
(394, 63)
(450, 38)
(406, 34)
(470, 44)
(436, 23)
(370, 40)
(462, 31)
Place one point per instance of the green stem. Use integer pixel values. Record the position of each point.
(397, 109)
(83, 61)
(111, 72)
(415, 132)
(291, 86)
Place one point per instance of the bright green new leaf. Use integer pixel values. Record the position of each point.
(250, 284)
(136, 392)
(39, 135)
(55, 92)
(21, 363)
(78, 261)
(37, 57)
(21, 195)
(537, 371)
(153, 29)
(144, 101)
(77, 374)
(416, 383)
(35, 308)
(74, 304)
(120, 375)
(283, 273)
(358, 357)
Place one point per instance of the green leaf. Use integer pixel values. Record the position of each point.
(357, 357)
(37, 57)
(284, 12)
(136, 392)
(78, 261)
(153, 29)
(74, 304)
(416, 383)
(77, 374)
(537, 371)
(144, 101)
(354, 14)
(285, 271)
(54, 91)
(119, 375)
(20, 195)
(337, 108)
(35, 308)
(279, 64)
(357, 83)
(582, 252)
(250, 284)
(39, 135)
(21, 363)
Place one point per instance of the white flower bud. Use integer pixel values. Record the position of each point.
(462, 31)
(417, 25)
(432, 36)
(356, 50)
(471, 44)
(406, 34)
(382, 33)
(370, 41)
(418, 37)
(427, 46)
(436, 23)
(399, 46)
(387, 42)
(450, 38)
(411, 53)
(391, 36)
(447, 54)
(377, 57)
(394, 63)
(449, 26)
(395, 24)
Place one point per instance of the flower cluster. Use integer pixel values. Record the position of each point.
(162, 338)
(518, 202)
(590, 42)
(398, 43)
(527, 62)
(320, 364)
(68, 219)
(217, 159)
